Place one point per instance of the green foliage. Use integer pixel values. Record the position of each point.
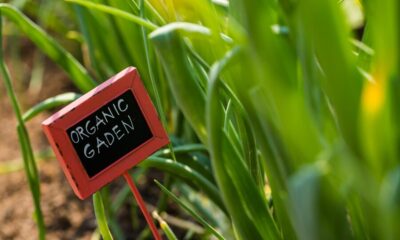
(24, 141)
(188, 209)
(50, 103)
(281, 114)
(50, 47)
(101, 216)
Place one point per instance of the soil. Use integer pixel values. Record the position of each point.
(66, 217)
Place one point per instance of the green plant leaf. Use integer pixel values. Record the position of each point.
(116, 12)
(318, 211)
(50, 103)
(186, 173)
(321, 23)
(50, 47)
(247, 207)
(101, 216)
(30, 167)
(182, 81)
(190, 211)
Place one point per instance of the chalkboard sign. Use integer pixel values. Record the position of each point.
(109, 133)
(105, 132)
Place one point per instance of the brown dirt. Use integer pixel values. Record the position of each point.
(66, 217)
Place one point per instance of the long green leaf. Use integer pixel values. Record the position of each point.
(317, 210)
(186, 173)
(245, 204)
(116, 12)
(190, 211)
(50, 103)
(50, 47)
(322, 22)
(24, 141)
(180, 74)
(101, 216)
(165, 227)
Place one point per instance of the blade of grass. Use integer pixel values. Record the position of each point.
(182, 149)
(50, 103)
(380, 115)
(317, 210)
(191, 176)
(26, 148)
(208, 212)
(94, 64)
(116, 12)
(150, 71)
(50, 47)
(246, 205)
(101, 217)
(390, 202)
(165, 227)
(322, 22)
(33, 179)
(162, 202)
(180, 74)
(190, 211)
(123, 44)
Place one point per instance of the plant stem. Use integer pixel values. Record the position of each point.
(26, 148)
(101, 216)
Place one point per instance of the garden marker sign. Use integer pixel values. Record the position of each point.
(104, 133)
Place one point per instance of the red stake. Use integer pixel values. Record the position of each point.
(142, 206)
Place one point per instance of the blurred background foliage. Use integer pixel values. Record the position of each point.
(282, 113)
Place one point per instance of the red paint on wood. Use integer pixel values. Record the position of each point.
(142, 206)
(56, 126)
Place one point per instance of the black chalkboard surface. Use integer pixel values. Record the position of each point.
(109, 133)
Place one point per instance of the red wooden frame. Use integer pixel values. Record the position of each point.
(55, 128)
